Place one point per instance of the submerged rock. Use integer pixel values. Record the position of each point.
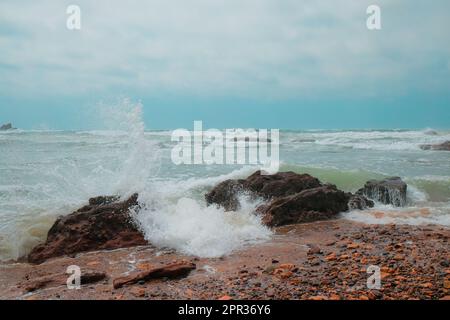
(103, 224)
(267, 187)
(320, 203)
(388, 191)
(445, 146)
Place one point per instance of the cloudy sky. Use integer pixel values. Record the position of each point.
(298, 64)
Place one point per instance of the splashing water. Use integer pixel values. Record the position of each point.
(46, 174)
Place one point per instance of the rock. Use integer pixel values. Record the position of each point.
(282, 184)
(56, 280)
(225, 194)
(430, 132)
(138, 292)
(6, 126)
(314, 249)
(104, 224)
(359, 202)
(174, 270)
(315, 204)
(445, 146)
(388, 191)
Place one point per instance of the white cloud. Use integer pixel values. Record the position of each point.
(250, 48)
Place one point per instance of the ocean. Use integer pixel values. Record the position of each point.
(44, 174)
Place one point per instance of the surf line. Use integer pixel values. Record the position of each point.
(229, 146)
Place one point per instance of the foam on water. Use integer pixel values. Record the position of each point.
(411, 215)
(193, 228)
(401, 140)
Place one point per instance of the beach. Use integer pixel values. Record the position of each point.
(318, 261)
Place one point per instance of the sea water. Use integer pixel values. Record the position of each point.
(44, 174)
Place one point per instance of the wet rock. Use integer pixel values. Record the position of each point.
(56, 280)
(359, 202)
(225, 194)
(174, 270)
(314, 249)
(267, 187)
(388, 191)
(445, 146)
(104, 224)
(315, 204)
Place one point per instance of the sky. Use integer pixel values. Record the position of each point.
(287, 64)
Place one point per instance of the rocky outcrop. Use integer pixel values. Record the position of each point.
(289, 197)
(103, 224)
(6, 126)
(320, 203)
(445, 146)
(388, 191)
(281, 184)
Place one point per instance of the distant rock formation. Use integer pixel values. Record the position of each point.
(6, 126)
(445, 146)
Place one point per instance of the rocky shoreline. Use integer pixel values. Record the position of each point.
(319, 261)
(312, 255)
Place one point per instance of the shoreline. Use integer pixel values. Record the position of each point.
(319, 260)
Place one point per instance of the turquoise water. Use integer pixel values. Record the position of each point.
(47, 173)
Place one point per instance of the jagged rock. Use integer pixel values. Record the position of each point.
(267, 187)
(445, 146)
(320, 203)
(388, 191)
(103, 224)
(174, 270)
(6, 126)
(359, 202)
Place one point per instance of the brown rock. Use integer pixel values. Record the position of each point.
(310, 205)
(56, 280)
(267, 187)
(174, 270)
(352, 246)
(331, 257)
(314, 249)
(447, 283)
(138, 292)
(103, 224)
(388, 191)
